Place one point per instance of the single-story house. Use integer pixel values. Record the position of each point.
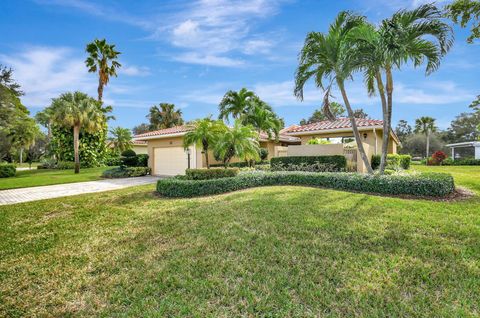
(465, 149)
(140, 147)
(168, 157)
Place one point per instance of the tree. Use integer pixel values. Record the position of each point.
(262, 118)
(360, 113)
(464, 11)
(465, 127)
(426, 125)
(205, 133)
(235, 104)
(328, 57)
(415, 144)
(403, 130)
(80, 112)
(141, 129)
(121, 139)
(409, 35)
(336, 109)
(239, 141)
(164, 116)
(23, 134)
(102, 59)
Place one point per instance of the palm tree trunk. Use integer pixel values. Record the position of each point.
(428, 143)
(354, 127)
(389, 86)
(205, 150)
(76, 136)
(21, 155)
(100, 89)
(381, 90)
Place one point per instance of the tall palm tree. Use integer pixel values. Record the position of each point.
(164, 116)
(262, 118)
(426, 125)
(239, 141)
(417, 35)
(121, 139)
(80, 112)
(329, 57)
(235, 104)
(204, 134)
(102, 59)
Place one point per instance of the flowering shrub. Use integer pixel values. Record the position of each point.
(438, 157)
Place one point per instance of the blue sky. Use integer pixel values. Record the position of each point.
(191, 53)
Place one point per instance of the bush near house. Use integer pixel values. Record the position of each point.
(7, 170)
(461, 162)
(130, 159)
(214, 173)
(394, 161)
(426, 184)
(241, 164)
(125, 172)
(334, 163)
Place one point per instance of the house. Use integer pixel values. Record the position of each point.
(167, 155)
(465, 150)
(140, 147)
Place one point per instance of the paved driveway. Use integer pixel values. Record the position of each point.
(63, 190)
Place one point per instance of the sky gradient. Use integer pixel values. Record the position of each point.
(191, 53)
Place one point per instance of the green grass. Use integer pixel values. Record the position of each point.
(27, 165)
(33, 178)
(273, 251)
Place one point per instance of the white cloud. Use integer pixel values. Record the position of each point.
(132, 70)
(211, 60)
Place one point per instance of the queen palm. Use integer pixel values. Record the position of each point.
(262, 118)
(239, 141)
(102, 59)
(234, 104)
(328, 57)
(417, 35)
(426, 125)
(79, 112)
(121, 139)
(23, 134)
(164, 116)
(204, 134)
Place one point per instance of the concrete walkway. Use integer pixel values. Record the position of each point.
(63, 190)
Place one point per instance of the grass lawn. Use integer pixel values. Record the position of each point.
(33, 178)
(273, 251)
(27, 165)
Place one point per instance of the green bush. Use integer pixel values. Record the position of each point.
(125, 172)
(47, 163)
(65, 165)
(241, 164)
(113, 161)
(263, 153)
(128, 153)
(334, 163)
(142, 160)
(7, 170)
(461, 162)
(426, 184)
(394, 161)
(214, 173)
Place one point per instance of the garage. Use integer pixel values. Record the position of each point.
(171, 161)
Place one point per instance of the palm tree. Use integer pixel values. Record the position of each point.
(100, 54)
(235, 104)
(329, 57)
(425, 125)
(23, 134)
(262, 118)
(204, 134)
(417, 35)
(164, 116)
(121, 139)
(239, 141)
(80, 112)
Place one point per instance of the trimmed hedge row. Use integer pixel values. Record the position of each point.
(125, 172)
(393, 161)
(241, 164)
(461, 162)
(7, 170)
(337, 162)
(426, 184)
(214, 173)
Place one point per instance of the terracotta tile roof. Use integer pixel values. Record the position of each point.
(166, 131)
(340, 123)
(139, 142)
(287, 129)
(282, 137)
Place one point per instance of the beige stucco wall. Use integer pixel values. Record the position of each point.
(315, 150)
(140, 150)
(169, 142)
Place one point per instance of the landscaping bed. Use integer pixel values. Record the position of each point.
(125, 172)
(424, 184)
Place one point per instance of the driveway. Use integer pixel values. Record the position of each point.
(63, 190)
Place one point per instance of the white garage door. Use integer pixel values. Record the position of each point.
(171, 161)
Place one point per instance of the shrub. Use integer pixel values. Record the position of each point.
(314, 167)
(426, 184)
(65, 165)
(461, 162)
(129, 161)
(125, 172)
(128, 153)
(439, 156)
(394, 161)
(142, 160)
(334, 163)
(113, 161)
(241, 164)
(7, 170)
(263, 153)
(318, 141)
(49, 163)
(215, 173)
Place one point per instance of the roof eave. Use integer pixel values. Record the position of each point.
(180, 134)
(334, 130)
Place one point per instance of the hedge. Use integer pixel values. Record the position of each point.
(426, 184)
(241, 164)
(214, 173)
(461, 162)
(7, 170)
(125, 172)
(393, 161)
(337, 162)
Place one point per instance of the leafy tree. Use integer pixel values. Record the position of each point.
(475, 105)
(328, 57)
(426, 125)
(464, 11)
(121, 139)
(235, 104)
(336, 109)
(23, 134)
(262, 118)
(465, 127)
(360, 113)
(415, 144)
(417, 35)
(239, 141)
(403, 129)
(141, 129)
(102, 59)
(78, 111)
(164, 116)
(205, 133)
